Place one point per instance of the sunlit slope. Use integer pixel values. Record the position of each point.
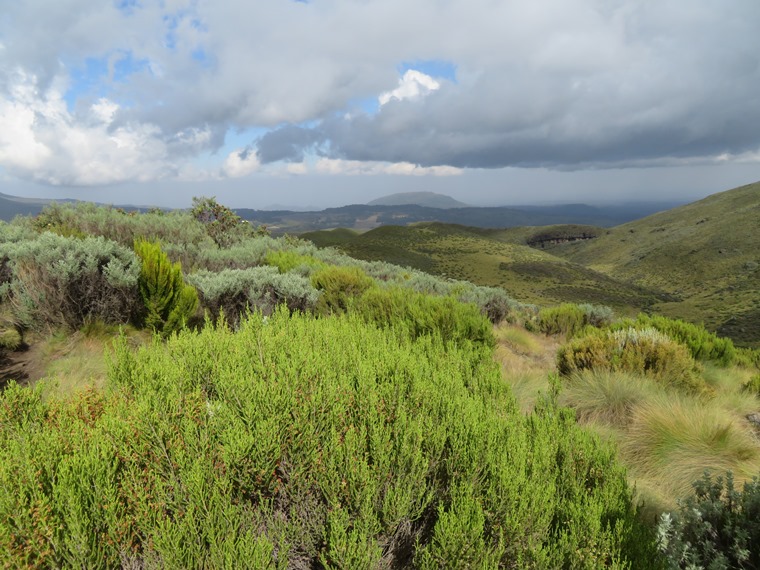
(488, 257)
(705, 254)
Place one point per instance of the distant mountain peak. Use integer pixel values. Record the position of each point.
(428, 199)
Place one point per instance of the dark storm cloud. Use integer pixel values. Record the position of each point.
(288, 143)
(561, 84)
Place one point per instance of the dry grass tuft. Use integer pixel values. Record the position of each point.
(672, 440)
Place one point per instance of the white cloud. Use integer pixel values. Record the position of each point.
(240, 163)
(413, 85)
(41, 140)
(356, 167)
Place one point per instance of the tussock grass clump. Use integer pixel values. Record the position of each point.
(673, 440)
(300, 441)
(644, 351)
(608, 397)
(518, 339)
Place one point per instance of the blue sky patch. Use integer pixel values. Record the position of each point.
(436, 68)
(127, 7)
(94, 78)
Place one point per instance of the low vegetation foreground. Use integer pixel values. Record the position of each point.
(202, 395)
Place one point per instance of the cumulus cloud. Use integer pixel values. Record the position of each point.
(561, 84)
(41, 140)
(239, 163)
(413, 85)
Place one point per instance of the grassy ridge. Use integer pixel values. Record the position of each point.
(705, 255)
(497, 258)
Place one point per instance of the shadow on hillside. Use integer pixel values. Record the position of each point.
(13, 366)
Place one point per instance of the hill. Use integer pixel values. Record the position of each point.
(705, 255)
(428, 199)
(496, 258)
(364, 217)
(11, 206)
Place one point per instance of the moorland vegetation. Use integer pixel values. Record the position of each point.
(265, 403)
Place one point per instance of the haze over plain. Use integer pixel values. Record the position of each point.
(328, 102)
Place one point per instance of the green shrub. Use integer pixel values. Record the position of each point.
(288, 260)
(748, 357)
(566, 319)
(116, 225)
(597, 315)
(303, 442)
(494, 302)
(643, 351)
(223, 225)
(59, 281)
(51, 220)
(235, 291)
(716, 528)
(339, 285)
(702, 344)
(420, 315)
(569, 319)
(10, 339)
(753, 385)
(169, 302)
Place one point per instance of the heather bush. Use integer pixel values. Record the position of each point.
(289, 260)
(717, 528)
(645, 351)
(420, 315)
(702, 344)
(235, 291)
(58, 281)
(339, 286)
(167, 300)
(566, 319)
(303, 442)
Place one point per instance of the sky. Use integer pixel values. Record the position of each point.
(316, 103)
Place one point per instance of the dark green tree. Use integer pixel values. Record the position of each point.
(223, 225)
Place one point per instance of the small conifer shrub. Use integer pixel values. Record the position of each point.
(169, 302)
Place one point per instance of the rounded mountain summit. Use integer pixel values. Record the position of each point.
(426, 199)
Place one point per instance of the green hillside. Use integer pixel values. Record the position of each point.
(706, 255)
(495, 258)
